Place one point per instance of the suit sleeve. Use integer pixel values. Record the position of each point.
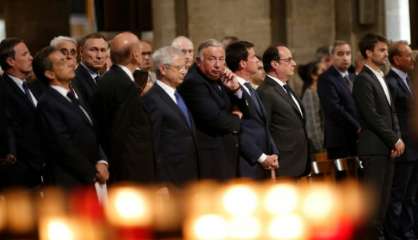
(331, 103)
(363, 93)
(205, 110)
(72, 159)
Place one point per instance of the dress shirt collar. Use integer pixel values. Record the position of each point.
(242, 81)
(127, 71)
(400, 73)
(63, 91)
(92, 74)
(280, 82)
(19, 82)
(343, 74)
(168, 89)
(378, 73)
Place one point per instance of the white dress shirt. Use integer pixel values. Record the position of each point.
(281, 83)
(19, 82)
(379, 75)
(168, 89)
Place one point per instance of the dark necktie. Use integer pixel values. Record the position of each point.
(183, 108)
(76, 102)
(348, 82)
(27, 92)
(96, 79)
(408, 84)
(253, 96)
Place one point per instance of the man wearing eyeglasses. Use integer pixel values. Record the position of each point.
(171, 119)
(284, 112)
(93, 53)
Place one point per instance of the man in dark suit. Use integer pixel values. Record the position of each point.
(93, 54)
(73, 157)
(379, 141)
(207, 97)
(24, 162)
(335, 92)
(123, 127)
(258, 152)
(285, 113)
(400, 216)
(174, 131)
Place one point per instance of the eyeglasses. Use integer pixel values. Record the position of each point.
(68, 52)
(288, 60)
(177, 67)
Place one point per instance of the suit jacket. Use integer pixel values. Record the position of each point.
(341, 117)
(217, 128)
(255, 139)
(22, 137)
(287, 127)
(123, 128)
(378, 120)
(176, 163)
(84, 84)
(402, 98)
(68, 141)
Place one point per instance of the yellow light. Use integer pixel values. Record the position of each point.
(209, 227)
(2, 213)
(58, 229)
(281, 199)
(129, 207)
(287, 227)
(20, 211)
(320, 204)
(244, 228)
(240, 200)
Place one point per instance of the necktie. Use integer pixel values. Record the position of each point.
(96, 79)
(408, 84)
(289, 94)
(348, 82)
(76, 102)
(253, 96)
(27, 92)
(183, 108)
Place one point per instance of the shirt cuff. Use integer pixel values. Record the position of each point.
(262, 158)
(238, 93)
(104, 162)
(399, 140)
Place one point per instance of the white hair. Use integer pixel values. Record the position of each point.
(206, 44)
(177, 42)
(57, 40)
(165, 56)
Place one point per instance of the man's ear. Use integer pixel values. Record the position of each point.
(49, 74)
(163, 69)
(242, 64)
(274, 63)
(10, 61)
(369, 53)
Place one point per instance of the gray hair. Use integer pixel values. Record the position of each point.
(177, 42)
(57, 40)
(165, 56)
(206, 44)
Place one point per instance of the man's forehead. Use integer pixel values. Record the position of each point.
(284, 51)
(214, 51)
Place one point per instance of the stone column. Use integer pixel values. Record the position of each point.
(164, 22)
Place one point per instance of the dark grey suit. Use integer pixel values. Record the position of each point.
(287, 127)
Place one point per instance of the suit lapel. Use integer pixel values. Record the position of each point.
(21, 96)
(285, 96)
(400, 82)
(163, 95)
(379, 87)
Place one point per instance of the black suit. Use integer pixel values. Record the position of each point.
(400, 216)
(341, 117)
(175, 141)
(287, 127)
(68, 141)
(22, 138)
(84, 84)
(255, 138)
(217, 128)
(379, 134)
(123, 128)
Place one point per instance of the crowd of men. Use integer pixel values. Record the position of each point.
(112, 112)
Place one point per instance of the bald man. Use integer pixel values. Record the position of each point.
(123, 127)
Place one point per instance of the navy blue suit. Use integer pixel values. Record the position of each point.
(400, 216)
(174, 140)
(22, 138)
(255, 139)
(68, 141)
(84, 84)
(340, 112)
(217, 129)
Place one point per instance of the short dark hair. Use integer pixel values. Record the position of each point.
(42, 63)
(394, 50)
(338, 43)
(7, 51)
(91, 36)
(270, 54)
(368, 42)
(235, 52)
